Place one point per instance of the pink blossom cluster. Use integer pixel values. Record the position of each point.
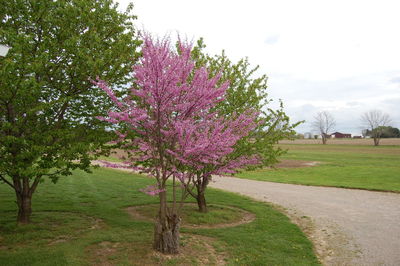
(152, 190)
(210, 141)
(169, 112)
(123, 165)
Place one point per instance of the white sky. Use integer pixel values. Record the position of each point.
(338, 56)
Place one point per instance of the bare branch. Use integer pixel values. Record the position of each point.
(324, 123)
(34, 185)
(375, 118)
(375, 121)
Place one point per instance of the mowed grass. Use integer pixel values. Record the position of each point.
(349, 166)
(81, 220)
(215, 216)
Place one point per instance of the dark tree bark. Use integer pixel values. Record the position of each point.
(166, 235)
(23, 191)
(201, 202)
(24, 203)
(166, 230)
(201, 186)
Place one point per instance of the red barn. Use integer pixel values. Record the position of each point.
(339, 135)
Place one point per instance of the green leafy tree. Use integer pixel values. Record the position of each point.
(246, 91)
(389, 132)
(47, 103)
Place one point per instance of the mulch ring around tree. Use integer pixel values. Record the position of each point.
(218, 216)
(194, 250)
(93, 223)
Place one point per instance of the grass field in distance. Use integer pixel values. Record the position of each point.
(354, 163)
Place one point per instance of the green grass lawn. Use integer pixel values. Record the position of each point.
(350, 166)
(81, 220)
(216, 214)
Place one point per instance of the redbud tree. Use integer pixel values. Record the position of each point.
(246, 91)
(168, 126)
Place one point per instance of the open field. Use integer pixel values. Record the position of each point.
(390, 141)
(83, 220)
(349, 166)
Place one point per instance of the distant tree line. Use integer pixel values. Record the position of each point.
(376, 125)
(386, 132)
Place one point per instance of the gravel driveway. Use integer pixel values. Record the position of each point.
(347, 226)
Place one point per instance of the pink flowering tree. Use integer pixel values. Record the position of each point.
(170, 131)
(207, 148)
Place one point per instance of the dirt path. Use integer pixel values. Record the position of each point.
(347, 226)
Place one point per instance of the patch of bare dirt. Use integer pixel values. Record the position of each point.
(2, 247)
(60, 239)
(96, 223)
(118, 153)
(247, 217)
(389, 141)
(194, 250)
(281, 164)
(295, 164)
(100, 253)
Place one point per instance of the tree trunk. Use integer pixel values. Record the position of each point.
(376, 141)
(201, 202)
(201, 189)
(24, 203)
(166, 229)
(323, 140)
(24, 192)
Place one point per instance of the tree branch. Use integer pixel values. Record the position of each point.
(6, 181)
(34, 185)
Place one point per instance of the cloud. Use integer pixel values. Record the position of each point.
(391, 106)
(353, 104)
(395, 80)
(272, 39)
(345, 66)
(346, 98)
